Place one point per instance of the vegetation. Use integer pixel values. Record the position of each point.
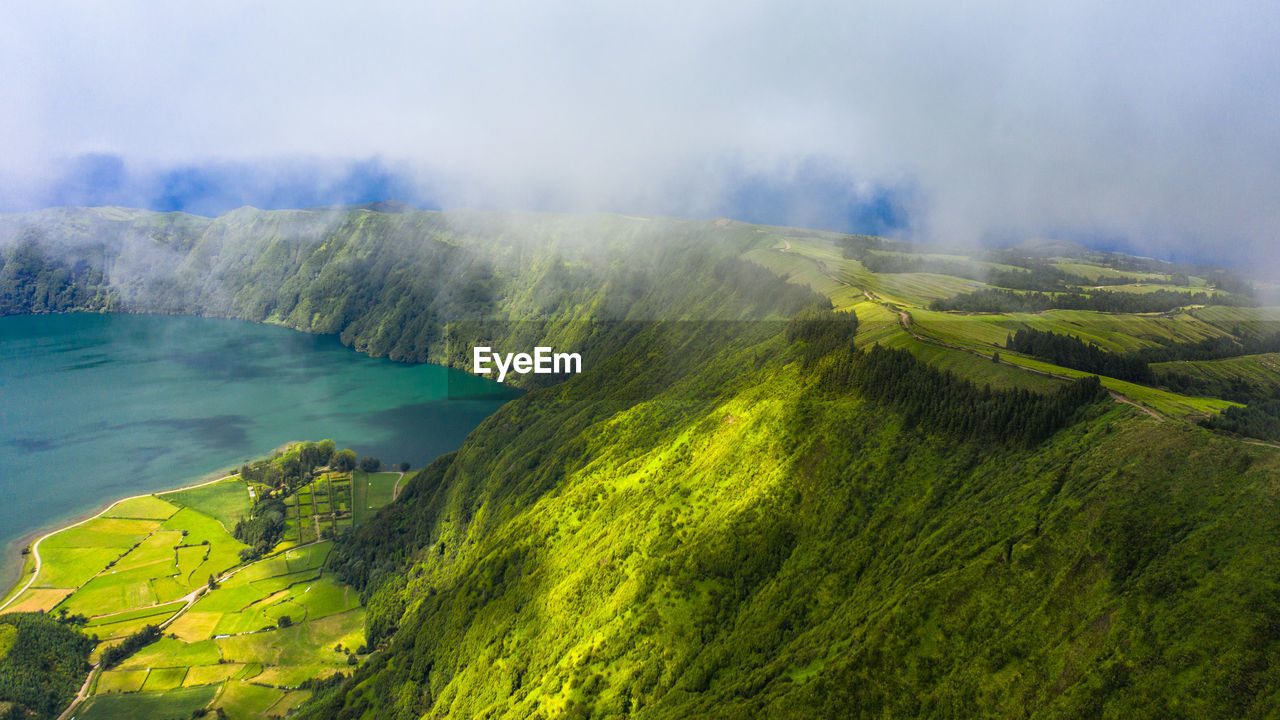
(1071, 352)
(952, 405)
(1259, 419)
(42, 665)
(782, 487)
(761, 542)
(1000, 301)
(130, 645)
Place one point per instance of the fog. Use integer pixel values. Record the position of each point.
(1149, 127)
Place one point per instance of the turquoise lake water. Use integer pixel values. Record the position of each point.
(96, 407)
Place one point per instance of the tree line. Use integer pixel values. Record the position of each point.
(1004, 301)
(1215, 348)
(943, 402)
(817, 331)
(1259, 419)
(1071, 352)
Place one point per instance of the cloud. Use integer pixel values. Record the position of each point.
(1153, 125)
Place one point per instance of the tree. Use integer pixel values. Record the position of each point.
(344, 461)
(284, 621)
(404, 466)
(370, 464)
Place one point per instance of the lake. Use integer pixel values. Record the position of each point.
(96, 407)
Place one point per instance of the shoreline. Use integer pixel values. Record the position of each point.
(33, 538)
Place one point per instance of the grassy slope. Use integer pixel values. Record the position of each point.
(740, 544)
(1260, 370)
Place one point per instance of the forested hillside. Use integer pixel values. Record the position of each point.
(728, 536)
(43, 660)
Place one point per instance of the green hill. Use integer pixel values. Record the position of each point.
(885, 511)
(744, 543)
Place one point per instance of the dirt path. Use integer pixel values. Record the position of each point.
(82, 695)
(1128, 401)
(395, 491)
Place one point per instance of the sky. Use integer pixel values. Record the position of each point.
(1143, 126)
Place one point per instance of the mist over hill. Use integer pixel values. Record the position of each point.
(783, 485)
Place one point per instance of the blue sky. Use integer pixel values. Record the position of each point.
(1153, 125)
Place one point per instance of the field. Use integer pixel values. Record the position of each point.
(226, 501)
(245, 646)
(178, 703)
(893, 310)
(372, 491)
(1259, 370)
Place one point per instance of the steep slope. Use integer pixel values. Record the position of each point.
(720, 536)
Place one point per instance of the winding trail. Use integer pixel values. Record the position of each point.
(1129, 401)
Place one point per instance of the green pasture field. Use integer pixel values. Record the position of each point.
(1258, 321)
(245, 700)
(120, 681)
(170, 652)
(101, 533)
(163, 566)
(165, 705)
(164, 679)
(139, 614)
(911, 289)
(127, 569)
(1162, 401)
(126, 623)
(307, 643)
(70, 567)
(1260, 370)
(875, 322)
(148, 507)
(210, 674)
(1111, 331)
(808, 264)
(979, 370)
(1093, 272)
(156, 549)
(293, 675)
(226, 501)
(112, 631)
(1142, 288)
(372, 491)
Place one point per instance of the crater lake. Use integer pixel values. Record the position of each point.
(98, 407)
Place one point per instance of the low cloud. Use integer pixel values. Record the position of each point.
(1155, 127)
